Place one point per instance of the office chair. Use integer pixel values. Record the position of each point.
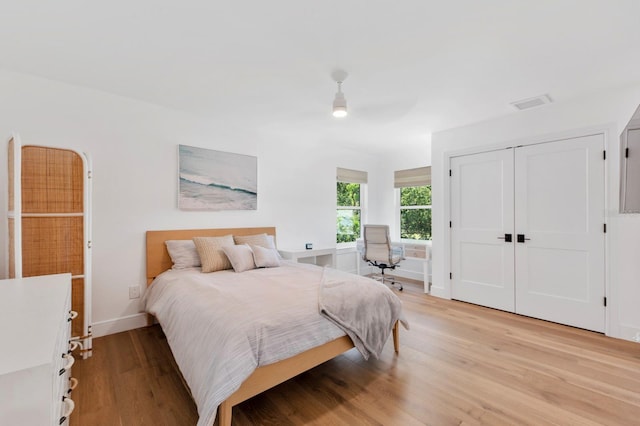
(378, 252)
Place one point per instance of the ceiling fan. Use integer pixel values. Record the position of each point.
(383, 109)
(339, 102)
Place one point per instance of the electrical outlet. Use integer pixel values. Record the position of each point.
(134, 292)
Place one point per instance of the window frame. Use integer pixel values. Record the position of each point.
(399, 209)
(361, 208)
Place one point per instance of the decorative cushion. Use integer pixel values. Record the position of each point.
(183, 254)
(272, 242)
(261, 240)
(265, 257)
(211, 254)
(240, 256)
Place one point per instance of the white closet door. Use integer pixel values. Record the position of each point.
(481, 215)
(559, 209)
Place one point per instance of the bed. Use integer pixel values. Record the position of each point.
(262, 377)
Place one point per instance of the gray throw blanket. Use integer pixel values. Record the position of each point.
(365, 309)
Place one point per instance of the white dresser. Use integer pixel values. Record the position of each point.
(35, 362)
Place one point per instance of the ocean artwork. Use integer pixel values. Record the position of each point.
(216, 180)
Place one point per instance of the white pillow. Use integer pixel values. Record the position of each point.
(254, 240)
(265, 257)
(211, 254)
(271, 240)
(183, 254)
(240, 256)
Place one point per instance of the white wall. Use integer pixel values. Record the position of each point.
(608, 110)
(385, 196)
(133, 146)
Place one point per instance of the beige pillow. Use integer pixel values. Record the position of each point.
(240, 256)
(265, 257)
(211, 254)
(261, 240)
(183, 254)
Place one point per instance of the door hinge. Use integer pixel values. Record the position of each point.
(450, 275)
(88, 244)
(449, 224)
(89, 174)
(605, 228)
(604, 155)
(449, 172)
(626, 153)
(605, 301)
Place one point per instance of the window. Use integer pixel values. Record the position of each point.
(349, 194)
(414, 202)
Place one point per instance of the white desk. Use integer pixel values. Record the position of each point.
(319, 256)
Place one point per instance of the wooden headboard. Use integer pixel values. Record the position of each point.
(158, 259)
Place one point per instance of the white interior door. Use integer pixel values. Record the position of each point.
(559, 209)
(481, 216)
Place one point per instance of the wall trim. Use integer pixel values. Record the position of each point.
(118, 325)
(418, 276)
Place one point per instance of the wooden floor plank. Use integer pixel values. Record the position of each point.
(459, 364)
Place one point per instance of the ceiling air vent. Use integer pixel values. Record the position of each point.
(532, 102)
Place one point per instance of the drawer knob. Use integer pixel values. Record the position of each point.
(69, 407)
(73, 382)
(70, 360)
(73, 345)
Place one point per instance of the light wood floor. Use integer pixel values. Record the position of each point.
(459, 364)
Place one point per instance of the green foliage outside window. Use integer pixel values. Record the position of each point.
(348, 220)
(415, 224)
(348, 194)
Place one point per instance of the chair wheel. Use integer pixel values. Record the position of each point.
(401, 288)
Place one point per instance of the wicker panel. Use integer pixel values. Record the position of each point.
(11, 172)
(77, 304)
(52, 180)
(53, 183)
(12, 242)
(52, 245)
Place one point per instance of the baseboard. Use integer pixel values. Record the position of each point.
(419, 276)
(117, 325)
(439, 292)
(628, 332)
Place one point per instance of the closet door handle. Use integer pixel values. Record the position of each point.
(522, 239)
(506, 238)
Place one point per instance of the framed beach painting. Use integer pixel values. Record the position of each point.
(216, 180)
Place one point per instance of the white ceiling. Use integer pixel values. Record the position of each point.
(415, 66)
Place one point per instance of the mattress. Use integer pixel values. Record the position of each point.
(221, 326)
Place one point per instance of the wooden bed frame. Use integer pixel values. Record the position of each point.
(264, 377)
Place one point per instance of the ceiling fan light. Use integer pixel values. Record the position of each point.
(339, 105)
(339, 112)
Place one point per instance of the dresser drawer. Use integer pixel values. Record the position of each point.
(34, 316)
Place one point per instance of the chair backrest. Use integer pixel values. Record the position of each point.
(377, 243)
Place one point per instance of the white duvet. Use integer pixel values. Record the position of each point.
(221, 326)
